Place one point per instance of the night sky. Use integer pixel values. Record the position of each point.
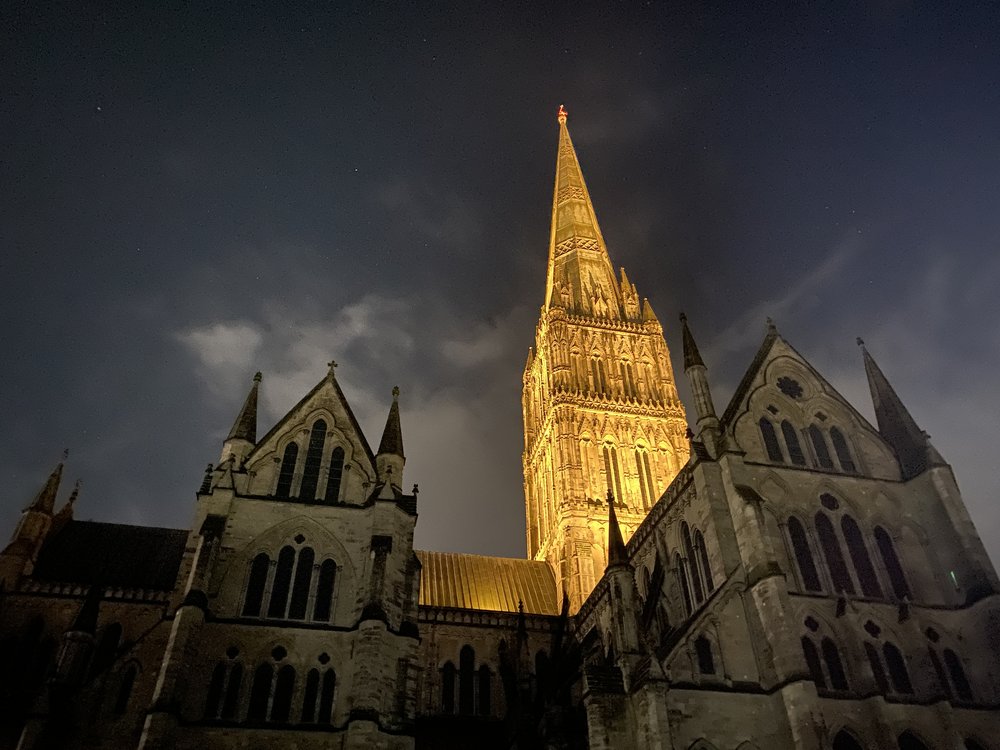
(190, 195)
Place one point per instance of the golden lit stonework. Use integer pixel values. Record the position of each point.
(600, 404)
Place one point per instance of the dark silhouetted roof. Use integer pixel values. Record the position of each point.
(111, 554)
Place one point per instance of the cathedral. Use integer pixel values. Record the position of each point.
(781, 574)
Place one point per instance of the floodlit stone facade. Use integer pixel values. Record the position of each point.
(785, 575)
(600, 403)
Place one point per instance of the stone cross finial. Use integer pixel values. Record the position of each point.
(861, 341)
(395, 392)
(257, 377)
(332, 364)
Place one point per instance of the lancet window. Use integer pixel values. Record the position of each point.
(888, 552)
(335, 476)
(646, 486)
(682, 578)
(819, 446)
(317, 701)
(314, 457)
(859, 556)
(703, 563)
(223, 698)
(803, 555)
(792, 443)
(703, 650)
(287, 471)
(842, 451)
(834, 555)
(770, 437)
(699, 591)
(612, 471)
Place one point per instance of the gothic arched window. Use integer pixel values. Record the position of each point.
(612, 470)
(231, 700)
(834, 667)
(957, 672)
(813, 662)
(287, 471)
(770, 440)
(682, 578)
(335, 475)
(841, 577)
(819, 445)
(792, 443)
(703, 650)
(255, 585)
(699, 593)
(260, 693)
(803, 555)
(842, 451)
(448, 688)
(466, 684)
(300, 589)
(628, 379)
(314, 457)
(282, 583)
(324, 591)
(892, 566)
(878, 671)
(216, 685)
(284, 686)
(485, 678)
(706, 568)
(125, 688)
(326, 697)
(310, 696)
(859, 556)
(645, 487)
(898, 672)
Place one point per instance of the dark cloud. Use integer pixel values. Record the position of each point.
(196, 194)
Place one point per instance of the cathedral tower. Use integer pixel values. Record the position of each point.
(600, 404)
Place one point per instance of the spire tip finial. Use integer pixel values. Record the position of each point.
(257, 377)
(562, 114)
(395, 393)
(684, 318)
(861, 342)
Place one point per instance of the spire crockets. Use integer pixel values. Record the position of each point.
(581, 278)
(243, 437)
(895, 424)
(390, 448)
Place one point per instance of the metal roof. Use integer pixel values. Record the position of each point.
(496, 584)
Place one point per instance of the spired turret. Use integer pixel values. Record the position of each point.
(243, 436)
(389, 460)
(697, 374)
(599, 399)
(19, 555)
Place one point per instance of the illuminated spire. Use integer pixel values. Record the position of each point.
(580, 275)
